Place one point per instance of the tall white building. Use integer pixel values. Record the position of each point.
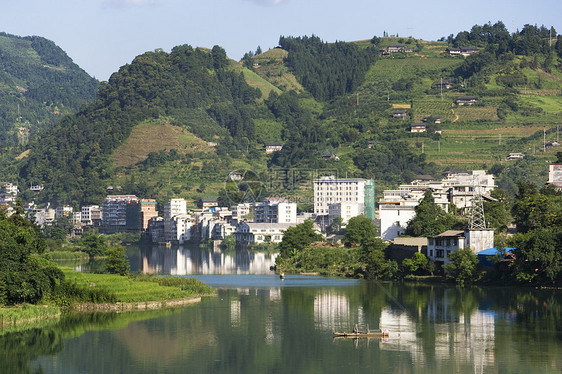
(175, 218)
(275, 210)
(330, 190)
(175, 207)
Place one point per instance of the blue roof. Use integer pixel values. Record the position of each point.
(493, 251)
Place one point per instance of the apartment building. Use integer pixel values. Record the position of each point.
(275, 210)
(331, 190)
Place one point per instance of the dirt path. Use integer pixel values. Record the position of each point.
(456, 115)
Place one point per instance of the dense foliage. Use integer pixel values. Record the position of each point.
(184, 84)
(24, 277)
(38, 84)
(327, 70)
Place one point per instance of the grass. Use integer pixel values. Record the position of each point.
(254, 80)
(154, 136)
(65, 255)
(27, 313)
(140, 288)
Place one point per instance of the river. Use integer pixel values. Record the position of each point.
(259, 323)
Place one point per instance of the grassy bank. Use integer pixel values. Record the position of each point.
(80, 288)
(27, 314)
(137, 288)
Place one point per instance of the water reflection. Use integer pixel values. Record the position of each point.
(287, 326)
(194, 260)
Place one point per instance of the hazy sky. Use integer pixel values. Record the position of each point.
(102, 35)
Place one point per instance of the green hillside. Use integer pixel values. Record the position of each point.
(39, 84)
(175, 124)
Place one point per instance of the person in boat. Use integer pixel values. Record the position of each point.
(355, 329)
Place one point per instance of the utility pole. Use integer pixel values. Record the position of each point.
(544, 140)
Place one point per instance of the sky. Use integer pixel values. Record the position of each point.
(102, 35)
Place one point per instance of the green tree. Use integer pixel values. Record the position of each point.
(297, 238)
(497, 211)
(418, 264)
(538, 255)
(376, 266)
(463, 266)
(117, 261)
(24, 277)
(94, 244)
(430, 219)
(358, 230)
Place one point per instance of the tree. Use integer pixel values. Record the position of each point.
(116, 261)
(430, 219)
(297, 238)
(358, 230)
(373, 256)
(335, 226)
(24, 277)
(417, 265)
(93, 244)
(538, 255)
(463, 266)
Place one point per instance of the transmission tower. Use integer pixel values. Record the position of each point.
(477, 219)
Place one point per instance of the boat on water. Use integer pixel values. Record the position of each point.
(365, 332)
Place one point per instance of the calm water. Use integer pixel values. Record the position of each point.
(261, 324)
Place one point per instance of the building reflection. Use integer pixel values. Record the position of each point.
(194, 260)
(445, 336)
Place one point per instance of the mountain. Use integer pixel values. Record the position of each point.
(175, 124)
(39, 84)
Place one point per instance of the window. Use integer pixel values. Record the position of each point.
(440, 253)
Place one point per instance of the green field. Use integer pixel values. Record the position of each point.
(131, 289)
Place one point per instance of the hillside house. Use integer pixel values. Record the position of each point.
(418, 127)
(443, 84)
(462, 51)
(466, 100)
(515, 156)
(432, 119)
(400, 114)
(271, 147)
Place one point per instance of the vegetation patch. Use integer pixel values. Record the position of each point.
(154, 136)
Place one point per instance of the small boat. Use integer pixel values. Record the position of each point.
(363, 333)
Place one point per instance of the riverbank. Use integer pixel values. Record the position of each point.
(27, 314)
(88, 292)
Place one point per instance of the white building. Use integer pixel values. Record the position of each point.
(174, 208)
(555, 174)
(329, 190)
(90, 214)
(345, 211)
(255, 233)
(64, 211)
(275, 210)
(240, 210)
(441, 246)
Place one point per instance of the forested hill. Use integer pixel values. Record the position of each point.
(175, 124)
(193, 89)
(39, 84)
